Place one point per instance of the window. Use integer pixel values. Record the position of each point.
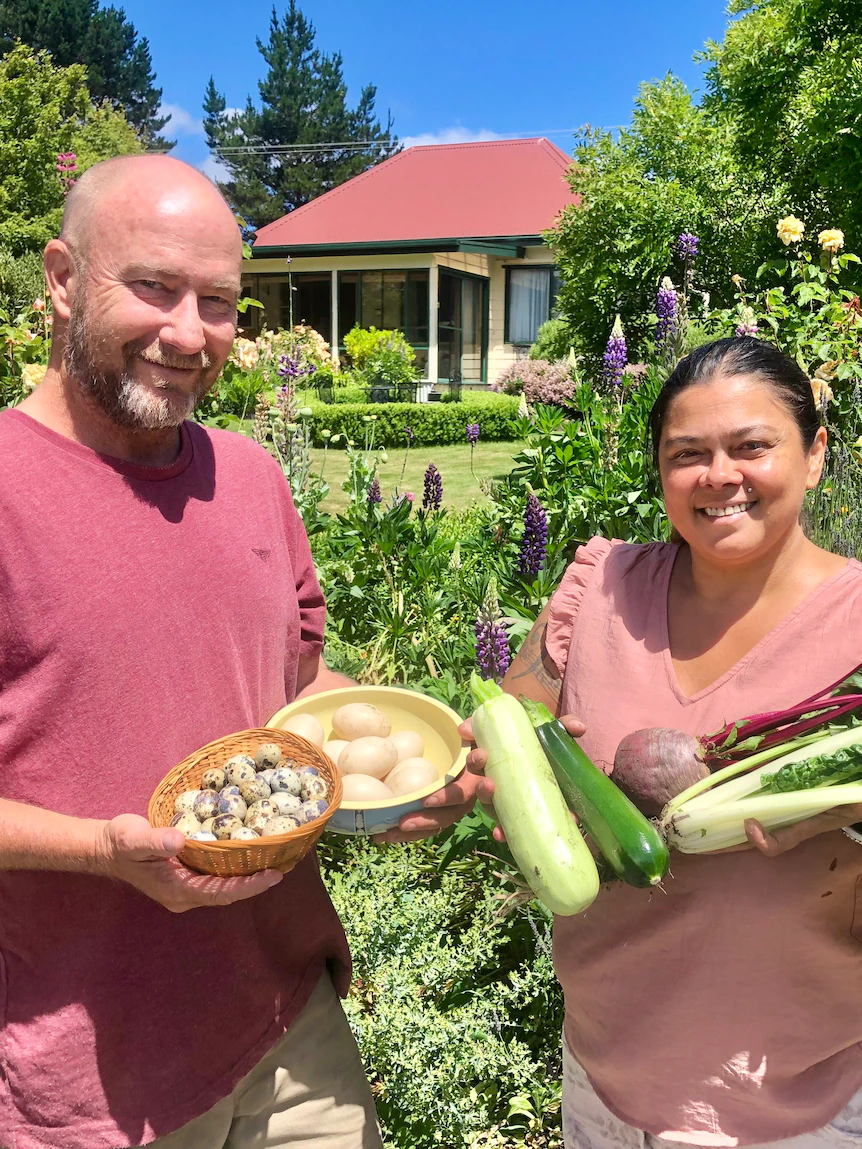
(531, 293)
(389, 300)
(310, 301)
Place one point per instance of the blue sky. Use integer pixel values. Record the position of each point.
(448, 70)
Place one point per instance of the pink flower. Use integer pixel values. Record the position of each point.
(38, 304)
(409, 496)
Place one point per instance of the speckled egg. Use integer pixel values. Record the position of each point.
(185, 803)
(213, 779)
(313, 809)
(206, 805)
(186, 823)
(257, 820)
(312, 786)
(302, 770)
(268, 756)
(232, 804)
(281, 825)
(254, 789)
(203, 836)
(207, 825)
(224, 825)
(285, 781)
(264, 806)
(266, 775)
(238, 769)
(243, 834)
(287, 804)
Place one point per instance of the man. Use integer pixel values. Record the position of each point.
(157, 592)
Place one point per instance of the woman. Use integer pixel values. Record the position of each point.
(726, 1010)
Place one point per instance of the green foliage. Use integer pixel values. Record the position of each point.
(380, 357)
(46, 110)
(456, 1010)
(25, 339)
(553, 341)
(117, 61)
(788, 80)
(303, 102)
(432, 423)
(21, 280)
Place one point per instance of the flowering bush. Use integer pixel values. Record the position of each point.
(540, 380)
(24, 355)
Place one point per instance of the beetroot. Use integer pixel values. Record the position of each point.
(654, 765)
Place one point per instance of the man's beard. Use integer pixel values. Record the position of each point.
(124, 399)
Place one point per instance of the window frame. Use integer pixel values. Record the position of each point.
(406, 272)
(553, 275)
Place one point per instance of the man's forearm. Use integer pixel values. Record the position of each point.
(35, 839)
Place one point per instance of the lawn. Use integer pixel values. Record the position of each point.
(460, 488)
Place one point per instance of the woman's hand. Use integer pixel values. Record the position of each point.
(780, 841)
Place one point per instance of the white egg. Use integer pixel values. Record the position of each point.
(334, 747)
(370, 755)
(360, 720)
(410, 775)
(362, 788)
(408, 743)
(306, 726)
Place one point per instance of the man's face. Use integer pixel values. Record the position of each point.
(153, 311)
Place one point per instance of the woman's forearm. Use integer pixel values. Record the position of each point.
(533, 673)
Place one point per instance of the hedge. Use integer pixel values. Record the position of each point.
(433, 424)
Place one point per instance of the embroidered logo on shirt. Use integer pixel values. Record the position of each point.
(261, 554)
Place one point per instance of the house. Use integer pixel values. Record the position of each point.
(441, 242)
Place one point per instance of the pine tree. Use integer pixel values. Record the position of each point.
(303, 102)
(118, 61)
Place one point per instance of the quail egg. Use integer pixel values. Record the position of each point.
(268, 756)
(266, 775)
(185, 802)
(286, 781)
(186, 823)
(312, 787)
(300, 770)
(203, 836)
(256, 821)
(206, 805)
(254, 789)
(213, 779)
(207, 825)
(287, 804)
(281, 825)
(224, 825)
(264, 806)
(243, 834)
(238, 769)
(313, 809)
(229, 803)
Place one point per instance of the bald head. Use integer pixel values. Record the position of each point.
(141, 184)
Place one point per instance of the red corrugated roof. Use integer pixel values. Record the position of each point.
(441, 191)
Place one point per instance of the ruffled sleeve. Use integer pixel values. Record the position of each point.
(568, 598)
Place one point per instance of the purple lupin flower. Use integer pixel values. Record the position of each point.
(686, 246)
(473, 434)
(534, 541)
(666, 313)
(492, 641)
(408, 431)
(615, 356)
(432, 499)
(747, 323)
(374, 495)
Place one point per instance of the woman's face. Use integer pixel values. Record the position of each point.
(734, 468)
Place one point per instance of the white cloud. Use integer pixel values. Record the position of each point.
(215, 169)
(181, 122)
(457, 135)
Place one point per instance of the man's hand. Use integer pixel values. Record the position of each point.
(133, 851)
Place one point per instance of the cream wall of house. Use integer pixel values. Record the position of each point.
(492, 268)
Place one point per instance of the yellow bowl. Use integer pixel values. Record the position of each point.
(406, 710)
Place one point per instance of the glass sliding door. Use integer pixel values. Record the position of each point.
(462, 333)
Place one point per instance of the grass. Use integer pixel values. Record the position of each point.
(460, 488)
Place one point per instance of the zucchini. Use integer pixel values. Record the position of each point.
(628, 841)
(544, 838)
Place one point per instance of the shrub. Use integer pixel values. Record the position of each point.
(21, 280)
(432, 423)
(381, 356)
(553, 341)
(540, 380)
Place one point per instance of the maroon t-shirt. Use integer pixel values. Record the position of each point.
(143, 612)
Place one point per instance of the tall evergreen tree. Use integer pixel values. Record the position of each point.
(118, 62)
(304, 107)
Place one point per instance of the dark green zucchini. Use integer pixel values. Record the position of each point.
(629, 842)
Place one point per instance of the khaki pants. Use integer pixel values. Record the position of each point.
(310, 1091)
(589, 1124)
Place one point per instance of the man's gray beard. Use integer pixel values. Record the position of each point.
(120, 396)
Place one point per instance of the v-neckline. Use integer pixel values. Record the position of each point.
(732, 671)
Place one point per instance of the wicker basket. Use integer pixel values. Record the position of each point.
(232, 859)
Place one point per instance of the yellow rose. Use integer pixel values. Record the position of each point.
(32, 375)
(245, 354)
(831, 240)
(821, 391)
(790, 230)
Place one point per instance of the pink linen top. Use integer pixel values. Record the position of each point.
(727, 1008)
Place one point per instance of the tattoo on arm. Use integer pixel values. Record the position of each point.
(533, 661)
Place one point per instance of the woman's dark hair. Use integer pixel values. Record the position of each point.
(741, 356)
